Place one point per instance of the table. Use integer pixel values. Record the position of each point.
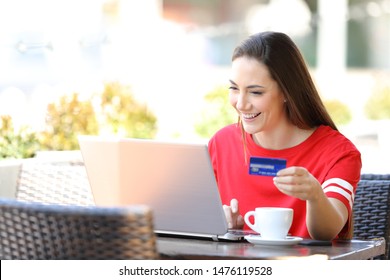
(186, 248)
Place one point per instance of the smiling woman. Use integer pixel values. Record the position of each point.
(255, 95)
(281, 115)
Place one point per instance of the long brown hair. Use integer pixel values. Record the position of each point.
(287, 67)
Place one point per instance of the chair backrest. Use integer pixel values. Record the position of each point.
(371, 209)
(61, 182)
(30, 230)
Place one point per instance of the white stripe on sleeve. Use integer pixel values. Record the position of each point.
(340, 186)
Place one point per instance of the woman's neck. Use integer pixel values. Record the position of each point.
(281, 138)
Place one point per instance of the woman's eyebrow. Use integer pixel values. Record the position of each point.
(233, 83)
(254, 86)
(250, 86)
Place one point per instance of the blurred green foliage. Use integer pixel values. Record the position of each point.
(121, 114)
(21, 143)
(339, 112)
(65, 120)
(217, 112)
(117, 112)
(378, 105)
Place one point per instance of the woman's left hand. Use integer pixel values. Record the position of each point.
(298, 182)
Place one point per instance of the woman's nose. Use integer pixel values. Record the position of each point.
(242, 102)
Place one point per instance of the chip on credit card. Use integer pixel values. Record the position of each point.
(266, 166)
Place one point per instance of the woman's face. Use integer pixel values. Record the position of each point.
(256, 96)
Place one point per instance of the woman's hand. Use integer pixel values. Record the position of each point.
(233, 217)
(298, 182)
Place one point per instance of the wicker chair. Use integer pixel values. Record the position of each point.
(380, 177)
(62, 182)
(30, 230)
(372, 209)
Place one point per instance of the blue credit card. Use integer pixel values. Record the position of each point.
(266, 166)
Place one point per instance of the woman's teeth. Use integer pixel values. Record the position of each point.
(250, 116)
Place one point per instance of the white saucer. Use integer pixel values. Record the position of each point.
(258, 240)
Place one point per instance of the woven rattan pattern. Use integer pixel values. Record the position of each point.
(42, 231)
(380, 177)
(54, 182)
(372, 210)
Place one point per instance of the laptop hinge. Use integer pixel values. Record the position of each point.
(186, 234)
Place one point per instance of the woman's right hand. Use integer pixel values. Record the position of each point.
(232, 214)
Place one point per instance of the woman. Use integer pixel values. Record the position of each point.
(281, 115)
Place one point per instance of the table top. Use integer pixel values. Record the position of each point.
(189, 248)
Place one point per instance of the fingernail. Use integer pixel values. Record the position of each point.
(230, 225)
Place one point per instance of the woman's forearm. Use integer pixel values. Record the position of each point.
(325, 217)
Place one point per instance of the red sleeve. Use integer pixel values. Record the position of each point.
(341, 182)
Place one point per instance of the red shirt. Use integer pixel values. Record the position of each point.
(327, 154)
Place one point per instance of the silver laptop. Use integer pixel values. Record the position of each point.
(175, 179)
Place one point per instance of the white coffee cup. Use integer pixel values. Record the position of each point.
(270, 222)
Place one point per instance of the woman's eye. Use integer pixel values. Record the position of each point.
(257, 92)
(232, 88)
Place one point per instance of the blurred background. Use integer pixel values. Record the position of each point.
(159, 68)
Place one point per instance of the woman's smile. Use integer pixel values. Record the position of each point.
(250, 117)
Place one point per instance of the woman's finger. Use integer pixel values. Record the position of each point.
(234, 205)
(228, 215)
